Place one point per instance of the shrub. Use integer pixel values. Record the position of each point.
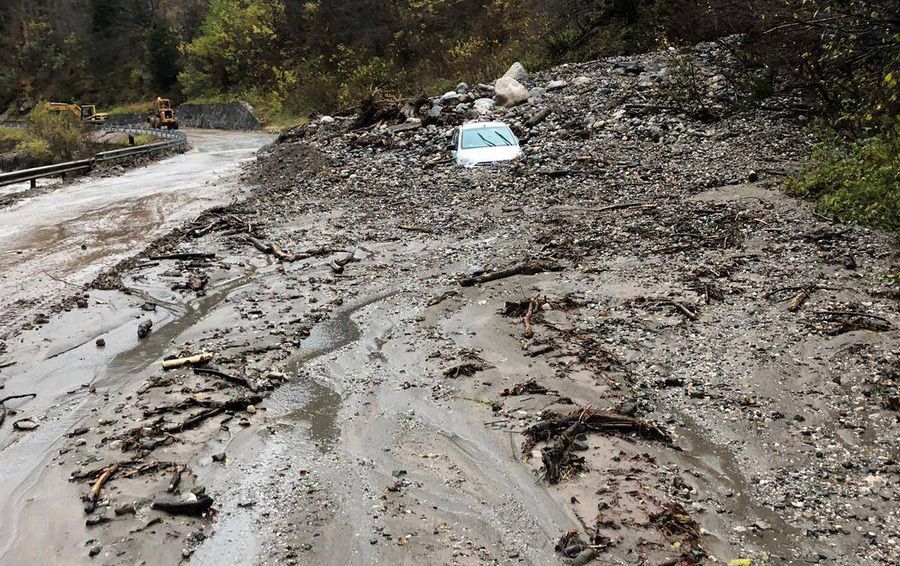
(52, 137)
(858, 182)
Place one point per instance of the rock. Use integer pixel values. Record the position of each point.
(753, 176)
(537, 93)
(326, 120)
(516, 71)
(435, 111)
(125, 509)
(251, 409)
(483, 105)
(100, 342)
(462, 88)
(451, 96)
(581, 80)
(95, 550)
(509, 92)
(218, 457)
(556, 85)
(144, 329)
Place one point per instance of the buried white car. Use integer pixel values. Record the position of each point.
(484, 143)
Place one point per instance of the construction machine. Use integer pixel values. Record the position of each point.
(87, 113)
(162, 115)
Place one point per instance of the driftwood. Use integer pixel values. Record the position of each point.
(259, 244)
(526, 268)
(97, 487)
(281, 254)
(465, 369)
(227, 377)
(184, 256)
(527, 319)
(194, 508)
(560, 431)
(198, 359)
(538, 118)
(797, 301)
(530, 387)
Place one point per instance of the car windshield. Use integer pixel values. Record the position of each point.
(495, 136)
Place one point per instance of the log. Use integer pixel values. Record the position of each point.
(797, 301)
(196, 360)
(98, 486)
(260, 245)
(526, 268)
(222, 375)
(538, 118)
(20, 396)
(184, 256)
(193, 508)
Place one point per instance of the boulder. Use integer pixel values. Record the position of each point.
(509, 92)
(516, 71)
(451, 96)
(462, 88)
(556, 85)
(483, 105)
(582, 80)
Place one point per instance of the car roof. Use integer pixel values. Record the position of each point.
(479, 125)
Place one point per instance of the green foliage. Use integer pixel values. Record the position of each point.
(51, 137)
(859, 181)
(237, 48)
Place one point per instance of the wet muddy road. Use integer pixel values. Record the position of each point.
(74, 232)
(51, 245)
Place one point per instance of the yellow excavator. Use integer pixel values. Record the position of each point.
(162, 115)
(87, 113)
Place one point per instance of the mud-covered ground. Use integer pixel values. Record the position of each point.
(687, 366)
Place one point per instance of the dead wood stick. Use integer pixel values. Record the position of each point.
(20, 396)
(191, 360)
(259, 245)
(98, 485)
(622, 206)
(538, 118)
(186, 255)
(797, 301)
(529, 331)
(411, 228)
(7, 364)
(222, 375)
(526, 268)
(195, 420)
(855, 313)
(283, 255)
(176, 479)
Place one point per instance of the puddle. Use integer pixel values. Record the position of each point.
(309, 400)
(60, 378)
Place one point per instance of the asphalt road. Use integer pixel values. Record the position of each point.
(73, 233)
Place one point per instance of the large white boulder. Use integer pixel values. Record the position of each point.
(483, 105)
(516, 71)
(509, 92)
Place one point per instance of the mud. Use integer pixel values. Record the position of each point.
(778, 446)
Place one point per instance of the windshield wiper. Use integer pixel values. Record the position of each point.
(489, 142)
(502, 137)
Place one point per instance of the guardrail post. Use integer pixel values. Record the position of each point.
(33, 183)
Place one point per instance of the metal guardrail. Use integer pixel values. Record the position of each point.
(173, 140)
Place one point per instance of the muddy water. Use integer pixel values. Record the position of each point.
(75, 232)
(306, 411)
(62, 381)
